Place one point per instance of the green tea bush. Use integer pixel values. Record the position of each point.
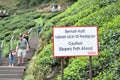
(106, 2)
(17, 32)
(7, 33)
(11, 27)
(76, 69)
(1, 6)
(51, 15)
(35, 16)
(7, 39)
(2, 36)
(29, 25)
(40, 65)
(71, 20)
(103, 15)
(80, 6)
(18, 12)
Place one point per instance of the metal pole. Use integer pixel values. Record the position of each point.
(90, 67)
(0, 54)
(9, 48)
(62, 69)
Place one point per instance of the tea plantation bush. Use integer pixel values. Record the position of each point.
(103, 13)
(39, 67)
(16, 24)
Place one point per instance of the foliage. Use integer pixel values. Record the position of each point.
(40, 65)
(32, 3)
(29, 25)
(105, 15)
(16, 24)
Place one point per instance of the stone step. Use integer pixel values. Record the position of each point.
(11, 71)
(15, 64)
(17, 72)
(15, 58)
(16, 76)
(18, 68)
(7, 60)
(34, 42)
(9, 79)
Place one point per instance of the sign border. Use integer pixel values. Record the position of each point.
(72, 27)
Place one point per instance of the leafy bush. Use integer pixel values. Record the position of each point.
(7, 33)
(1, 6)
(36, 16)
(98, 18)
(17, 32)
(7, 39)
(107, 18)
(40, 65)
(51, 15)
(76, 69)
(16, 24)
(29, 25)
(2, 37)
(18, 12)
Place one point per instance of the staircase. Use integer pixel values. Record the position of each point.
(17, 72)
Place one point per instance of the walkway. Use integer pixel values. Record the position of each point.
(17, 72)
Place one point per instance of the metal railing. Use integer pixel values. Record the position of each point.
(32, 32)
(12, 42)
(1, 50)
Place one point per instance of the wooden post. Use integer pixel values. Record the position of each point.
(90, 67)
(62, 69)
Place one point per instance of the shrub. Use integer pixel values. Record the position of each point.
(7, 33)
(29, 25)
(37, 15)
(40, 65)
(7, 39)
(2, 37)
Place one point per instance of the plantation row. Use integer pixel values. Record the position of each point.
(16, 24)
(102, 13)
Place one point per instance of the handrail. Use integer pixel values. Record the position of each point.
(12, 42)
(2, 45)
(1, 50)
(30, 30)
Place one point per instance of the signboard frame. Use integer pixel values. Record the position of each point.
(53, 30)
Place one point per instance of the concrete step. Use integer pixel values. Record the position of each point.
(15, 64)
(11, 71)
(34, 42)
(16, 76)
(7, 63)
(9, 79)
(6, 60)
(17, 72)
(18, 68)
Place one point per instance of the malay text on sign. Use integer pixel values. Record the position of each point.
(75, 41)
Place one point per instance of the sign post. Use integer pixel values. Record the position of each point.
(62, 69)
(90, 67)
(75, 41)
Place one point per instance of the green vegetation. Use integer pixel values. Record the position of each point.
(102, 13)
(16, 24)
(32, 3)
